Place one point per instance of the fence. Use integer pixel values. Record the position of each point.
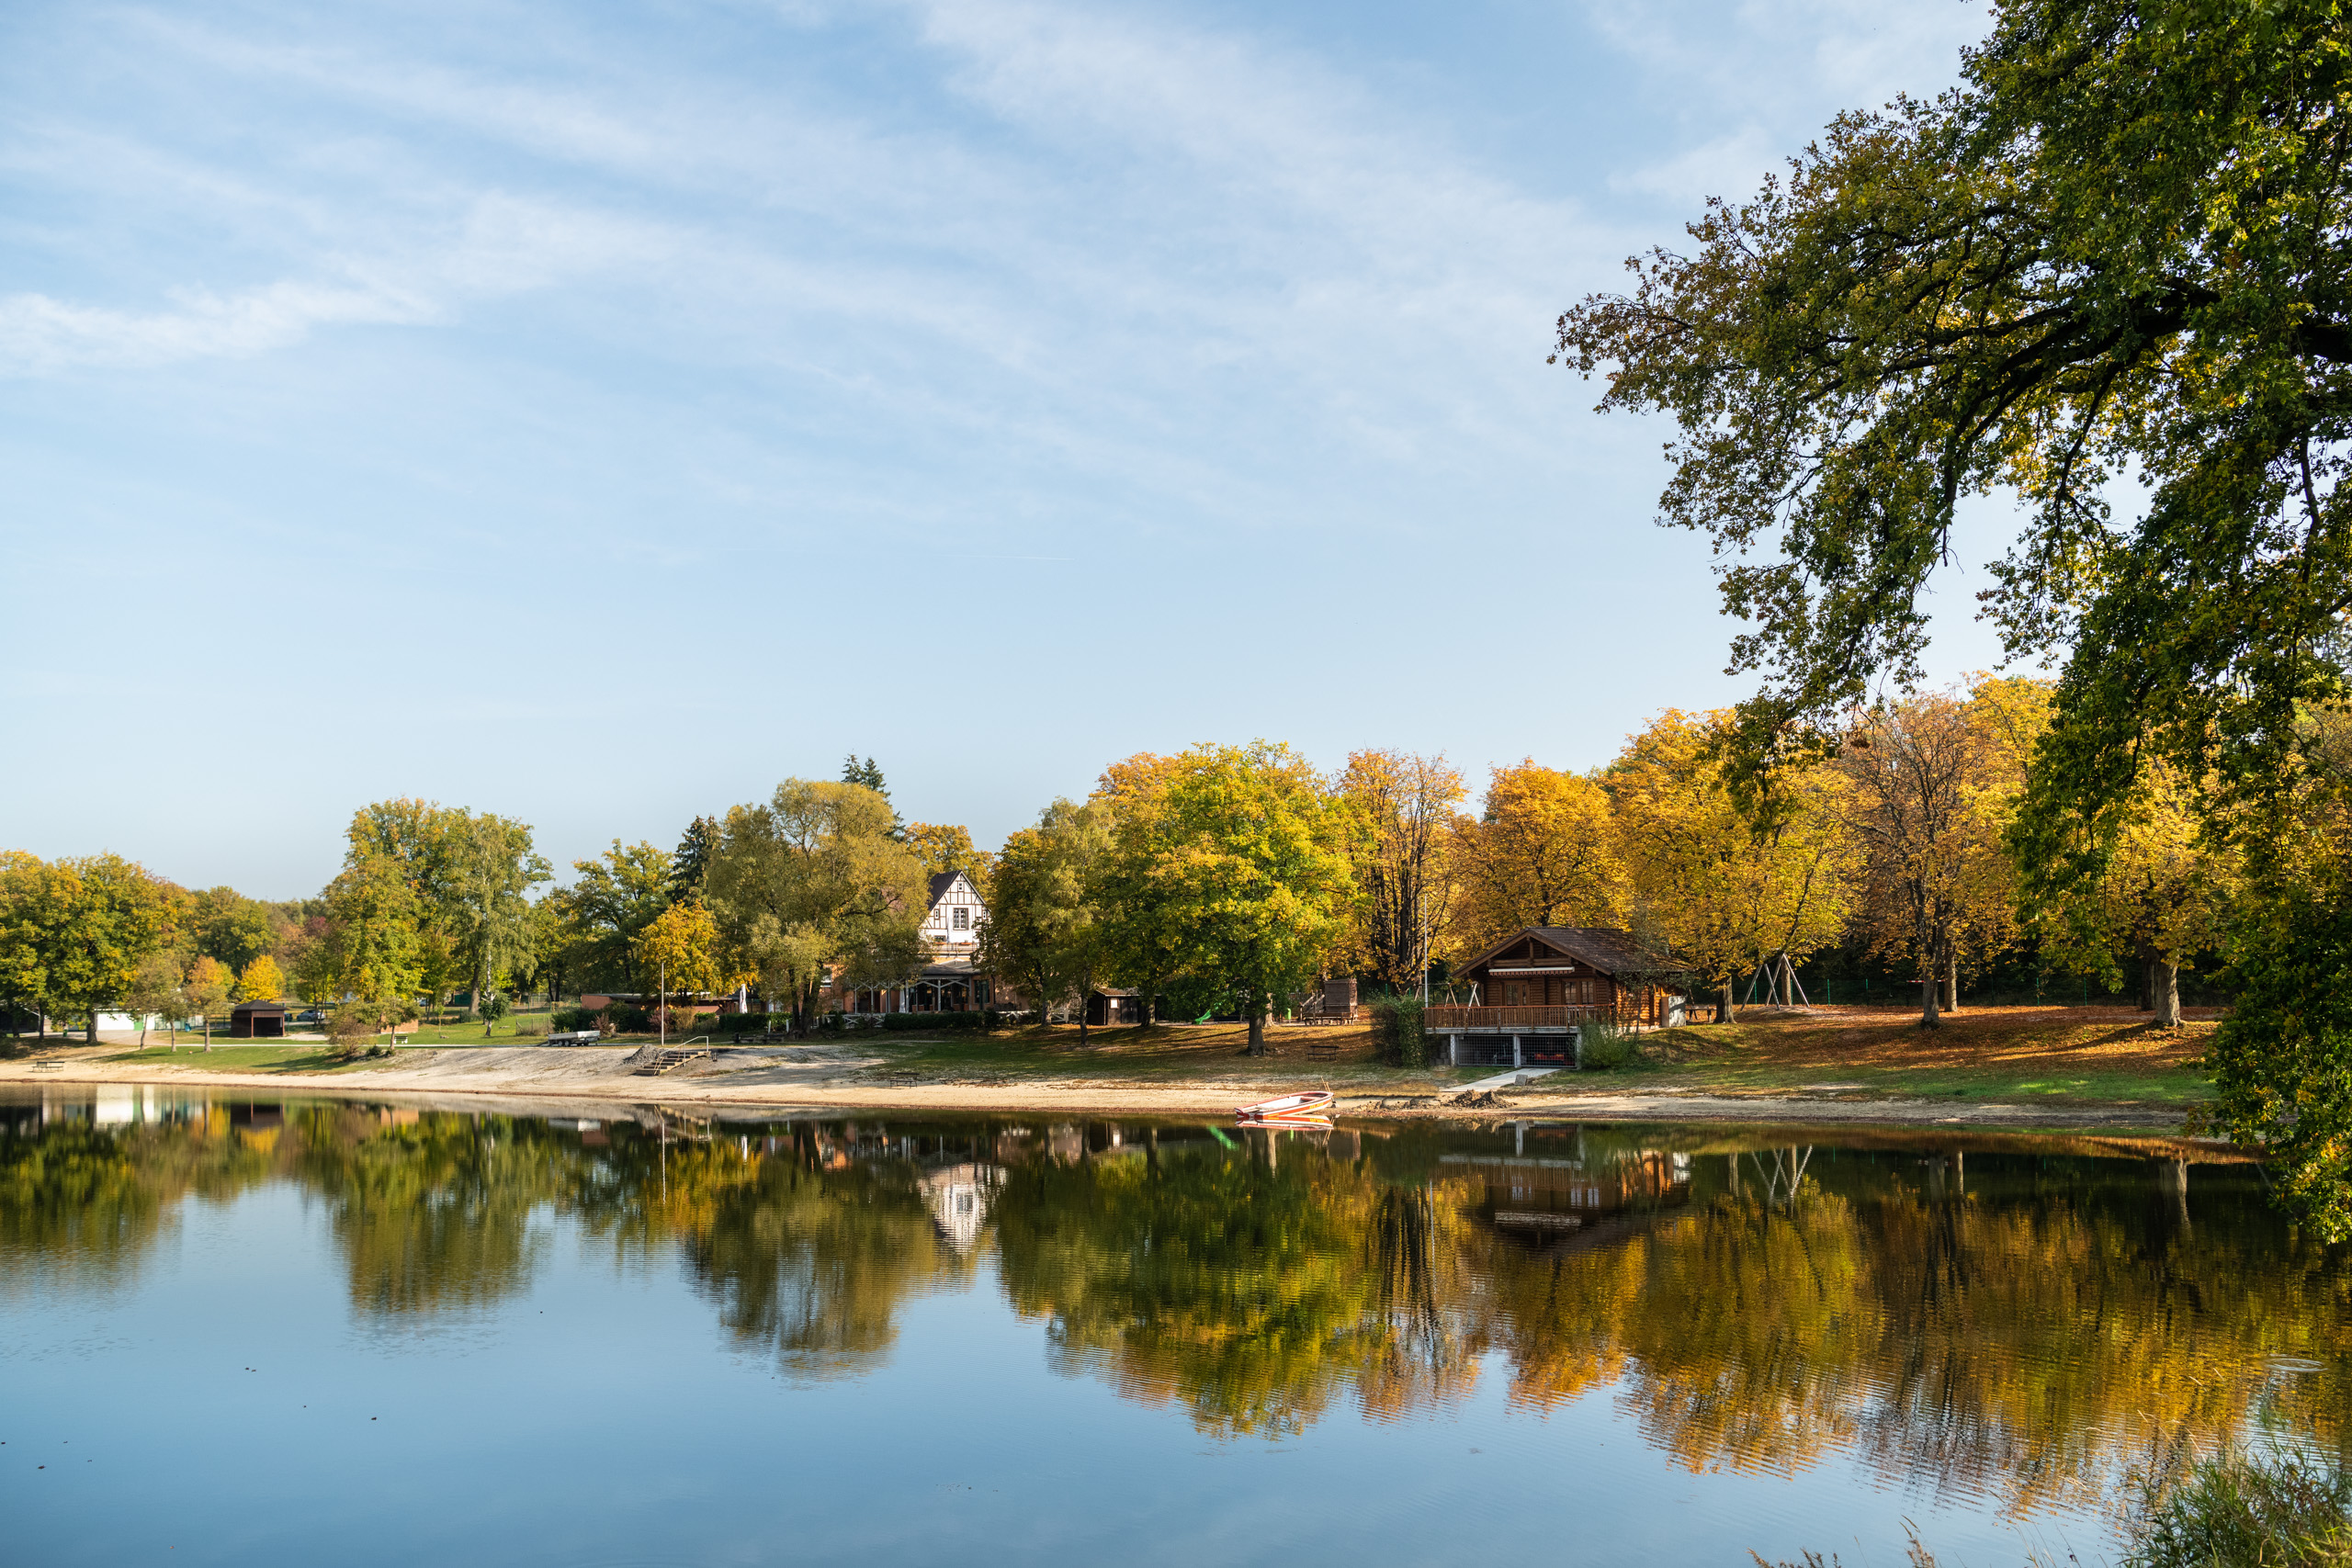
(1438, 1020)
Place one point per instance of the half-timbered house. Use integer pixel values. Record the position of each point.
(950, 981)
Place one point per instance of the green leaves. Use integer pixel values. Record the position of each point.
(73, 932)
(2122, 243)
(1049, 923)
(1235, 866)
(817, 875)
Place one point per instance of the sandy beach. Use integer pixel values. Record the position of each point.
(840, 1077)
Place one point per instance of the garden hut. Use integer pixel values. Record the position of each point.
(258, 1021)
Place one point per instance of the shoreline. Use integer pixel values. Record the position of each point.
(838, 1083)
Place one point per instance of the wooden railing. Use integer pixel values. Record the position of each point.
(1440, 1019)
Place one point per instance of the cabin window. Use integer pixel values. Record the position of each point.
(963, 918)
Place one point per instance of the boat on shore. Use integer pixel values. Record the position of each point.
(1315, 1103)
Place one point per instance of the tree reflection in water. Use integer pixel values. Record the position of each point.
(2009, 1322)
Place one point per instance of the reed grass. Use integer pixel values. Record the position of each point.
(2271, 1509)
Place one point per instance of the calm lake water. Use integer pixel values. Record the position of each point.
(310, 1332)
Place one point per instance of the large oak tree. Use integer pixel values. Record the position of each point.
(2118, 247)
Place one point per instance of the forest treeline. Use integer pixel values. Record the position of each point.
(1225, 878)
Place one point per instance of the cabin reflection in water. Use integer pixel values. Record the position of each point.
(1574, 1198)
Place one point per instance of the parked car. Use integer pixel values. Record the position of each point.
(312, 1016)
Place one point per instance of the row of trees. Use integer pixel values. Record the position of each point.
(430, 898)
(1233, 875)
(1223, 878)
(823, 878)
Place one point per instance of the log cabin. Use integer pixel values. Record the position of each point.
(1535, 987)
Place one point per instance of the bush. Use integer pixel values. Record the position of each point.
(1397, 1032)
(493, 1008)
(355, 1022)
(1606, 1047)
(684, 1021)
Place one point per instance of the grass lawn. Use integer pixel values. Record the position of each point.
(502, 1032)
(302, 1056)
(2112, 1054)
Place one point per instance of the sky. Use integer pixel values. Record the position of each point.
(595, 414)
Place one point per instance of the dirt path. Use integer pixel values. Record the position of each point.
(843, 1077)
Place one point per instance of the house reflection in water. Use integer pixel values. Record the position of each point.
(958, 1198)
(1568, 1200)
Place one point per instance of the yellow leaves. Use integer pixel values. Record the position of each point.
(1542, 853)
(1702, 878)
(260, 981)
(948, 847)
(211, 985)
(682, 943)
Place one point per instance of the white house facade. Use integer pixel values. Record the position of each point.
(951, 935)
(952, 928)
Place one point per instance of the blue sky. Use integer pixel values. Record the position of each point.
(595, 414)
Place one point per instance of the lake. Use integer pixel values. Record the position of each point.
(241, 1331)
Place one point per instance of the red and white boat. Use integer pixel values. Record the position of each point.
(1314, 1103)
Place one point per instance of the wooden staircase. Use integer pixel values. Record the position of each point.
(654, 1060)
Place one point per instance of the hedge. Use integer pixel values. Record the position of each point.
(901, 1023)
(1397, 1029)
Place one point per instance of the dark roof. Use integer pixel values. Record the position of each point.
(262, 1006)
(1610, 951)
(940, 883)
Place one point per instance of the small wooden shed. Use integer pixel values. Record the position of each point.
(258, 1021)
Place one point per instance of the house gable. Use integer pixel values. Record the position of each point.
(953, 917)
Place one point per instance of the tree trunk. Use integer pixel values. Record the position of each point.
(1951, 980)
(93, 1039)
(1260, 1005)
(1725, 1014)
(1930, 997)
(1085, 1006)
(2167, 995)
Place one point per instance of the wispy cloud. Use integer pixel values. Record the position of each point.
(40, 335)
(1731, 166)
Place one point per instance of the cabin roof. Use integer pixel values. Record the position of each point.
(1605, 948)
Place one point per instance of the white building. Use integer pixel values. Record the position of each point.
(952, 928)
(951, 937)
